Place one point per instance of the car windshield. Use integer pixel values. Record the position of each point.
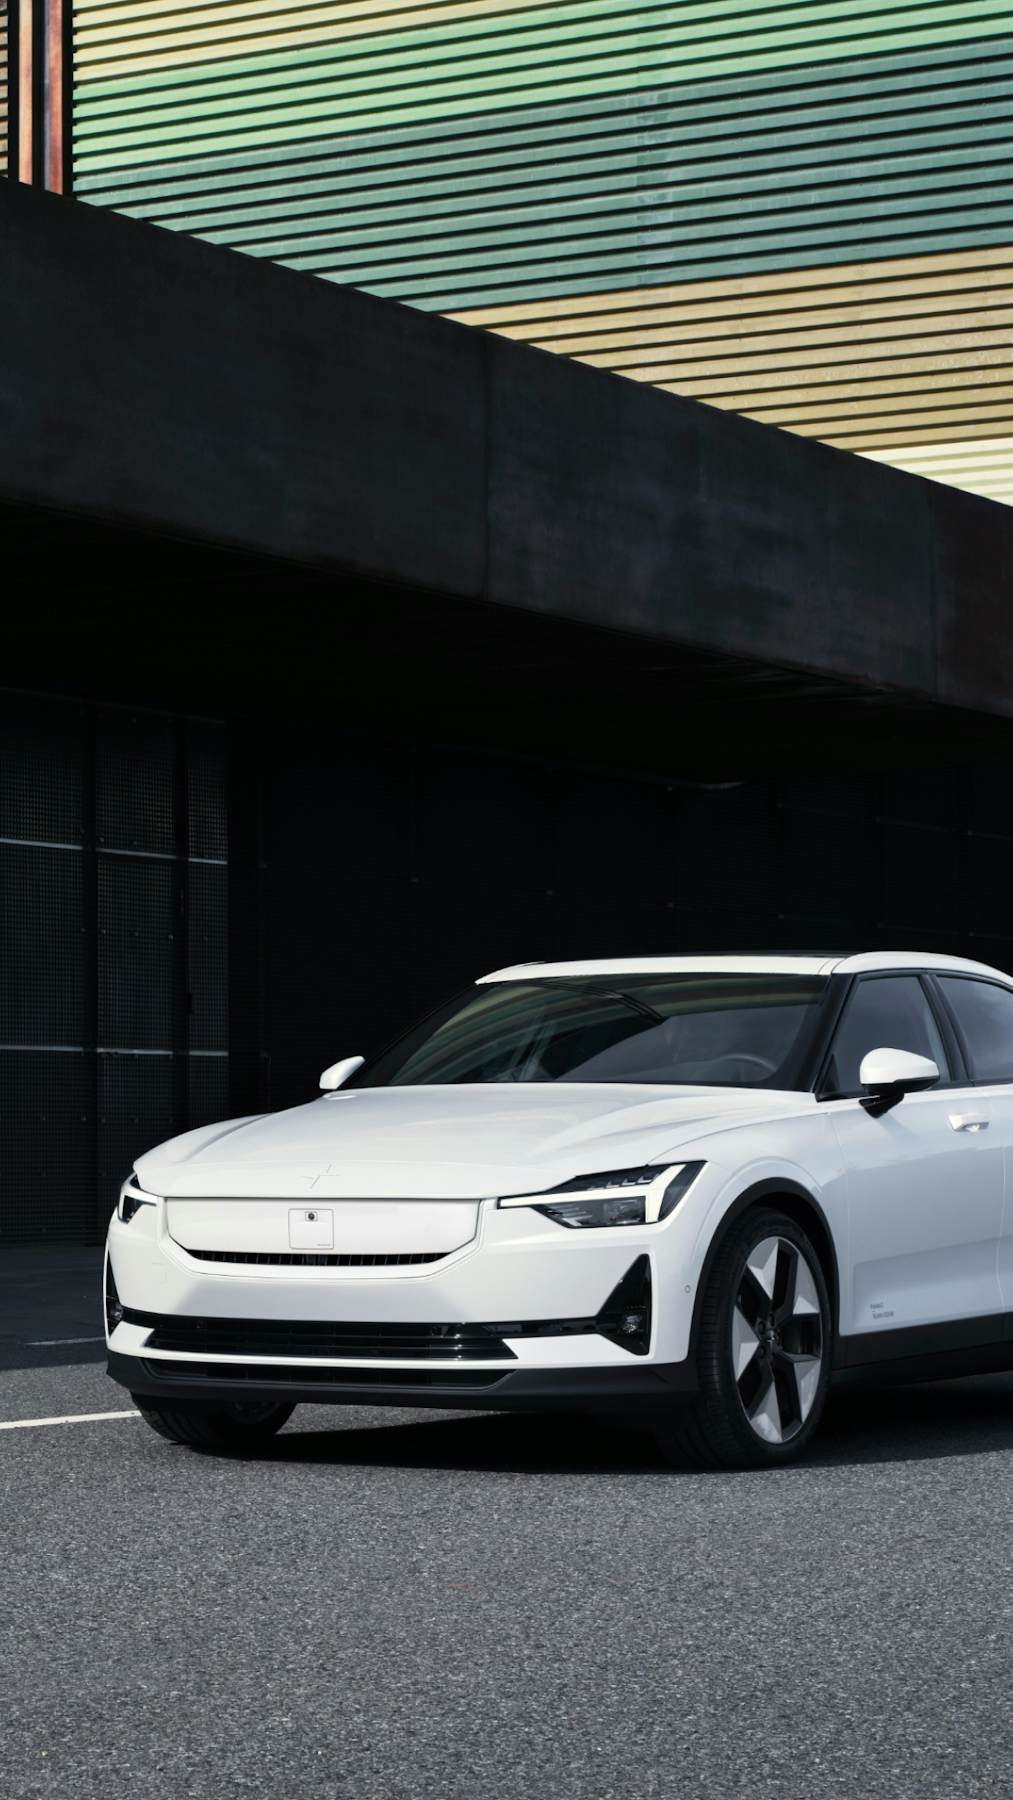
(710, 1030)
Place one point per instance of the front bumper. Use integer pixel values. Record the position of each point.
(215, 1331)
(643, 1386)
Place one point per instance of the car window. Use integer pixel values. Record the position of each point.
(679, 1029)
(985, 1016)
(889, 1013)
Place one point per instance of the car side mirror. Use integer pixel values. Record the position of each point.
(887, 1075)
(338, 1073)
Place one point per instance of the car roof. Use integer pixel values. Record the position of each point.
(864, 963)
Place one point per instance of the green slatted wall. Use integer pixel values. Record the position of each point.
(590, 175)
(5, 91)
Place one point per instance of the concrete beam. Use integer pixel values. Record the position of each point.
(151, 379)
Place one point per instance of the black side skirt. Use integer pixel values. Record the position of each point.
(938, 1352)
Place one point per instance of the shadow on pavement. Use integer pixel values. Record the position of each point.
(536, 1444)
(877, 1425)
(927, 1420)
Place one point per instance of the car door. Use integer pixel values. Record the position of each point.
(924, 1180)
(982, 1012)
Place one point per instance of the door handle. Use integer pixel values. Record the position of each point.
(969, 1121)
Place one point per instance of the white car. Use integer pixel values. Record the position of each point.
(702, 1187)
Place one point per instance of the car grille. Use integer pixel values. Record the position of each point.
(322, 1259)
(321, 1337)
(310, 1374)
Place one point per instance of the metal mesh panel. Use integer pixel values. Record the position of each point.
(137, 927)
(922, 881)
(208, 959)
(48, 1146)
(41, 789)
(42, 998)
(726, 850)
(990, 883)
(209, 1089)
(136, 1110)
(134, 787)
(818, 863)
(206, 793)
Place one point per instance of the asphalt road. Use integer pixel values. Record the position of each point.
(411, 1606)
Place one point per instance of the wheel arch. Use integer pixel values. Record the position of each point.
(800, 1205)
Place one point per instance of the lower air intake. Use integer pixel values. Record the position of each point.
(322, 1337)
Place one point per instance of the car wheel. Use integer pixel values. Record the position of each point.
(763, 1350)
(237, 1427)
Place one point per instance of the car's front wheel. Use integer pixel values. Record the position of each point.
(763, 1350)
(239, 1427)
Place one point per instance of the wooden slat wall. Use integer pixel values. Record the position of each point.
(786, 209)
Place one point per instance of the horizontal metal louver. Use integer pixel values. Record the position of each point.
(501, 161)
(871, 356)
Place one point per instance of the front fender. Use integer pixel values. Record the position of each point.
(804, 1200)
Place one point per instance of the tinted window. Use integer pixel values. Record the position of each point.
(889, 1013)
(985, 1016)
(707, 1030)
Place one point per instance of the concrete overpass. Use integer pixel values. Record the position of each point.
(152, 382)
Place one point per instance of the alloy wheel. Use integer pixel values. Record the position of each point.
(777, 1339)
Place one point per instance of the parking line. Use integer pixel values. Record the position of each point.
(66, 1419)
(44, 1343)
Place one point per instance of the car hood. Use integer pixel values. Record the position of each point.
(456, 1142)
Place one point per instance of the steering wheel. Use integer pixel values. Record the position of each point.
(746, 1056)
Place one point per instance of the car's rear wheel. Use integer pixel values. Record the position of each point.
(241, 1426)
(763, 1350)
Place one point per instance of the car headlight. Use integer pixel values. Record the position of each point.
(132, 1198)
(618, 1197)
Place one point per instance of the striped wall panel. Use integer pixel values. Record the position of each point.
(558, 200)
(671, 191)
(373, 63)
(5, 92)
(981, 466)
(870, 356)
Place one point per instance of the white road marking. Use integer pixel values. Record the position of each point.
(66, 1419)
(44, 1343)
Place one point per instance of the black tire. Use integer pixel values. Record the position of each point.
(241, 1427)
(763, 1360)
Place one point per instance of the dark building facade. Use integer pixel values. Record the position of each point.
(375, 872)
(350, 653)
